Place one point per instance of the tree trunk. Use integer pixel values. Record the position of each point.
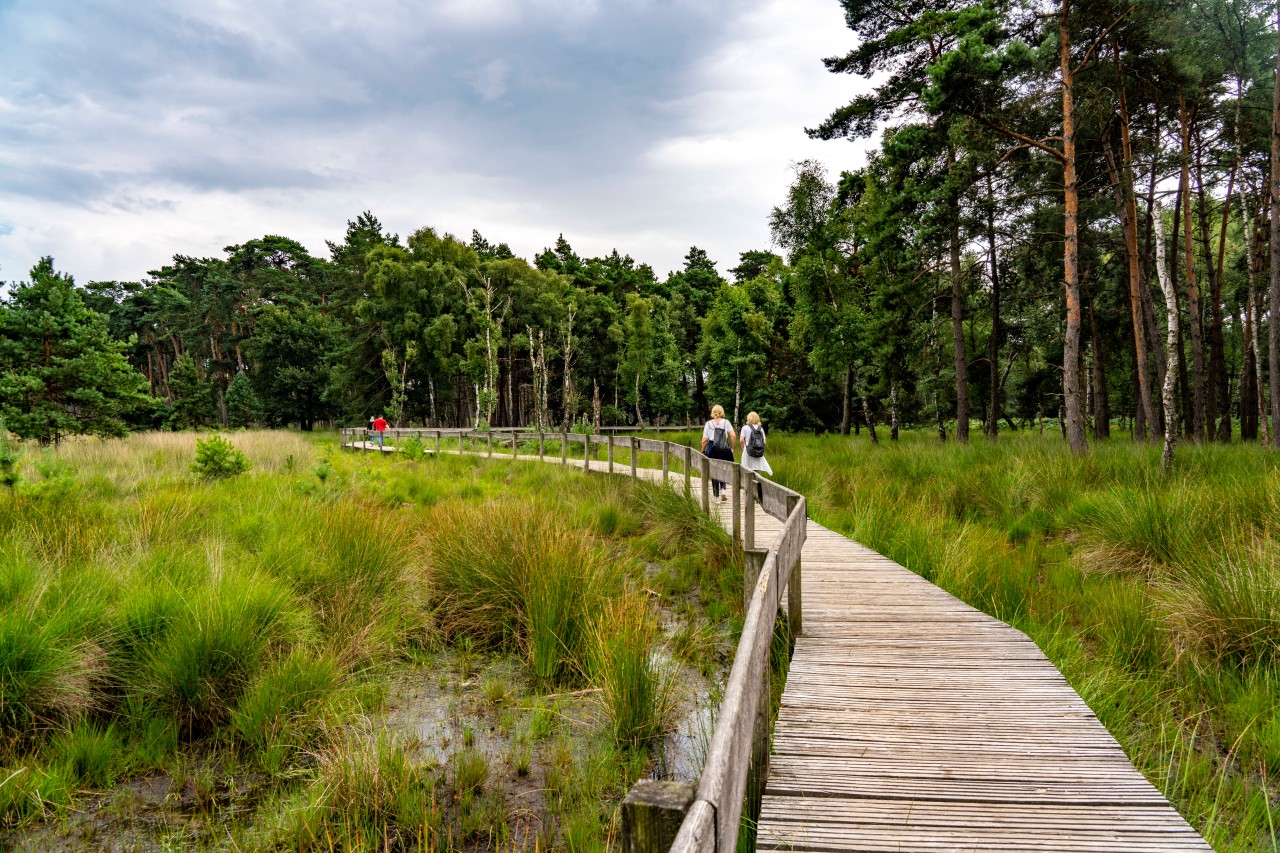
(1193, 292)
(846, 409)
(993, 347)
(1129, 221)
(1218, 402)
(893, 411)
(1148, 307)
(1171, 309)
(1273, 330)
(957, 319)
(1071, 240)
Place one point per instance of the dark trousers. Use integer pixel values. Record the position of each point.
(727, 456)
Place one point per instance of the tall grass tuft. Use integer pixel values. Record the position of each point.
(511, 576)
(1140, 530)
(278, 710)
(1229, 603)
(635, 687)
(206, 659)
(48, 675)
(368, 795)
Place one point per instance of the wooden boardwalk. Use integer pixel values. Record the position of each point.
(911, 721)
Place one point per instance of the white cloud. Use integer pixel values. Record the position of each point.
(490, 80)
(646, 126)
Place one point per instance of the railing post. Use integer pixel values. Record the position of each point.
(652, 813)
(515, 445)
(688, 472)
(609, 442)
(489, 434)
(438, 442)
(633, 457)
(749, 509)
(542, 445)
(795, 588)
(586, 452)
(564, 448)
(666, 463)
(706, 483)
(736, 485)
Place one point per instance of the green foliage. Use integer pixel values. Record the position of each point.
(10, 456)
(191, 397)
(62, 373)
(217, 458)
(204, 661)
(90, 755)
(517, 578)
(243, 407)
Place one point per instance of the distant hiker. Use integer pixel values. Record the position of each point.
(752, 444)
(380, 429)
(717, 443)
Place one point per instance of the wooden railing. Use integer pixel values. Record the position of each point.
(661, 816)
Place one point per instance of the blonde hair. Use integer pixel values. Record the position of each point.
(753, 419)
(717, 411)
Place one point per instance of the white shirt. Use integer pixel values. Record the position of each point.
(709, 431)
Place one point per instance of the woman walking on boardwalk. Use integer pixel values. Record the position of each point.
(717, 443)
(752, 445)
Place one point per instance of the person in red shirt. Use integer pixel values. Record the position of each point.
(379, 428)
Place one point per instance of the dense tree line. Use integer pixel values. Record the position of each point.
(1071, 218)
(1028, 150)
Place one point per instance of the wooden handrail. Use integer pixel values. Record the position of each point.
(737, 759)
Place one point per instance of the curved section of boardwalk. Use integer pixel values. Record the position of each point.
(913, 722)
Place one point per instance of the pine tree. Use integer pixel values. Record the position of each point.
(60, 371)
(243, 406)
(192, 398)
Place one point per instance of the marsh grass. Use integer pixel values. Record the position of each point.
(1157, 596)
(155, 622)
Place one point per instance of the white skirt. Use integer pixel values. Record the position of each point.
(756, 463)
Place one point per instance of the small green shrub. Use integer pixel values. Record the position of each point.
(10, 456)
(91, 755)
(413, 449)
(217, 458)
(279, 707)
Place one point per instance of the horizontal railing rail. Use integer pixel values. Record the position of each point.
(737, 760)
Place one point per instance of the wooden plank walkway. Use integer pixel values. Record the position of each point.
(911, 721)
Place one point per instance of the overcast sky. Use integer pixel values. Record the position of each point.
(133, 131)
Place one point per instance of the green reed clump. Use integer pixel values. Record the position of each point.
(368, 795)
(90, 754)
(515, 576)
(1229, 603)
(49, 672)
(277, 711)
(199, 668)
(635, 686)
(1141, 529)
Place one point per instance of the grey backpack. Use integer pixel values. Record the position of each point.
(755, 444)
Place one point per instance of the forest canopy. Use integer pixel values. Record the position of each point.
(1068, 218)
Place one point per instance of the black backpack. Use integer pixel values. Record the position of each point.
(755, 444)
(718, 441)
